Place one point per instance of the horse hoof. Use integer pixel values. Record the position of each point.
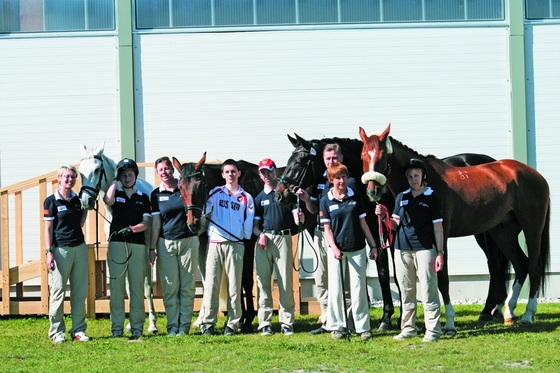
(509, 321)
(384, 326)
(485, 317)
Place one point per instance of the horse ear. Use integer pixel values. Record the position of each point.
(363, 135)
(303, 142)
(99, 150)
(293, 141)
(200, 162)
(177, 165)
(83, 150)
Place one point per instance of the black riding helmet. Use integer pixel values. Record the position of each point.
(126, 164)
(416, 163)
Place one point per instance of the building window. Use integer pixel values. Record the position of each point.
(56, 15)
(542, 9)
(226, 13)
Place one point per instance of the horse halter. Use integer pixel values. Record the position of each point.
(94, 192)
(286, 181)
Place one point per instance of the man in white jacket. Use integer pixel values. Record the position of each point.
(230, 211)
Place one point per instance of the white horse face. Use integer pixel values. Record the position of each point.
(95, 175)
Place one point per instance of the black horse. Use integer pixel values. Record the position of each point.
(306, 165)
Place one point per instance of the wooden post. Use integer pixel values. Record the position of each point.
(5, 226)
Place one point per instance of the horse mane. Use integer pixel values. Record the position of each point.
(406, 147)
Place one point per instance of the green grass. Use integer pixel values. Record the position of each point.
(477, 347)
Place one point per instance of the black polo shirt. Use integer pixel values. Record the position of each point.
(271, 214)
(344, 218)
(324, 185)
(66, 217)
(127, 212)
(417, 217)
(172, 210)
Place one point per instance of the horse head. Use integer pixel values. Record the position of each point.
(375, 156)
(297, 172)
(193, 191)
(97, 171)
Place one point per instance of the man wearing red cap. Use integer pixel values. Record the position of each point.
(272, 224)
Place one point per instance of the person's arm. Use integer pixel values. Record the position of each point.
(380, 210)
(369, 238)
(109, 197)
(259, 233)
(438, 233)
(330, 240)
(156, 227)
(143, 225)
(49, 243)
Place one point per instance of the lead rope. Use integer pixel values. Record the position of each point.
(387, 222)
(301, 244)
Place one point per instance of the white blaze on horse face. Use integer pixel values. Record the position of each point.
(372, 160)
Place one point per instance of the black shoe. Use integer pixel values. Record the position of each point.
(229, 331)
(318, 331)
(209, 330)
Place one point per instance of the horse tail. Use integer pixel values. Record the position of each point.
(544, 258)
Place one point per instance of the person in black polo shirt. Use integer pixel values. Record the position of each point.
(418, 220)
(342, 212)
(177, 250)
(67, 257)
(272, 224)
(127, 248)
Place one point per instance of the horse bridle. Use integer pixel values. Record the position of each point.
(192, 206)
(286, 182)
(94, 192)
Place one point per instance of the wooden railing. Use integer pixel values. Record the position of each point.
(20, 299)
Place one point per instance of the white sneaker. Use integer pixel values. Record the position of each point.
(403, 336)
(59, 338)
(81, 336)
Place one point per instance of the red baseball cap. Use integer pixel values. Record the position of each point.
(267, 163)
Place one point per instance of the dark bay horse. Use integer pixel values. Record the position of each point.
(503, 197)
(306, 166)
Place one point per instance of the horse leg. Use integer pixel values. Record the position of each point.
(247, 304)
(498, 268)
(202, 254)
(382, 264)
(535, 273)
(506, 235)
(443, 285)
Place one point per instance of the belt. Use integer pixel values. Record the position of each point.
(282, 232)
(321, 228)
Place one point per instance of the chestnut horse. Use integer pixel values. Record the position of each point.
(503, 197)
(305, 167)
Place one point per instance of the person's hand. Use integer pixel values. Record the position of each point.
(50, 261)
(152, 257)
(125, 232)
(373, 253)
(299, 217)
(337, 253)
(262, 241)
(303, 195)
(380, 210)
(439, 262)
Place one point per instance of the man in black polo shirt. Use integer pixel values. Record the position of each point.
(272, 224)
